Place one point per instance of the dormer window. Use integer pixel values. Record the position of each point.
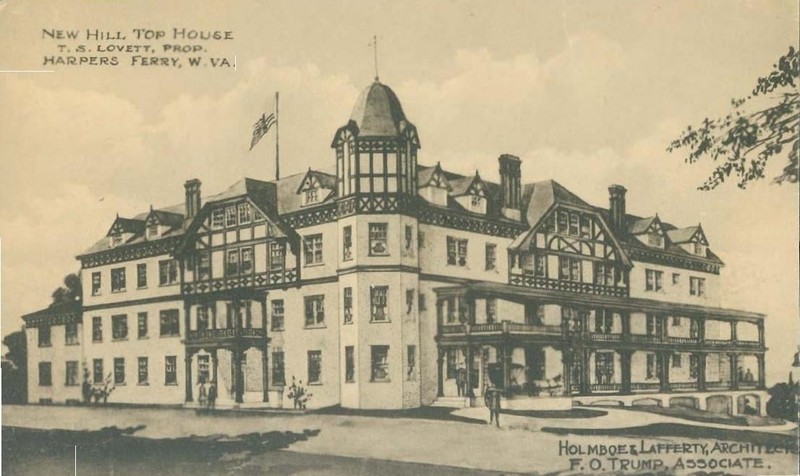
(152, 231)
(699, 249)
(116, 239)
(654, 239)
(311, 196)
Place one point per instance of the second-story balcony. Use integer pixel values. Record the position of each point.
(500, 329)
(528, 280)
(245, 281)
(224, 335)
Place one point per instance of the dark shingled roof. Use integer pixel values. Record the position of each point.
(378, 112)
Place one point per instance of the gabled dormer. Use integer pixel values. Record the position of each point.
(470, 193)
(315, 188)
(433, 186)
(123, 230)
(649, 231)
(692, 239)
(159, 222)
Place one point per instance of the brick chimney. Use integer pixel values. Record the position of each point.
(192, 197)
(616, 207)
(511, 186)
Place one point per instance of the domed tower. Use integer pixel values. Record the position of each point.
(376, 152)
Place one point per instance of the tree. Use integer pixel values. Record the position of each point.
(762, 126)
(15, 367)
(71, 291)
(783, 401)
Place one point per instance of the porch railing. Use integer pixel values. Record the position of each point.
(683, 385)
(645, 386)
(597, 336)
(223, 334)
(606, 387)
(527, 280)
(499, 328)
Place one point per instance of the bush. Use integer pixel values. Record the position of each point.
(783, 401)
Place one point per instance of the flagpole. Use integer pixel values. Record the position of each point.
(277, 141)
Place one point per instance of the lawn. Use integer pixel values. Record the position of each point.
(703, 416)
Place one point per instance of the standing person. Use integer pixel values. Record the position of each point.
(212, 395)
(495, 408)
(461, 381)
(202, 392)
(487, 400)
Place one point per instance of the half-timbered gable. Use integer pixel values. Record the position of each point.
(316, 187)
(123, 230)
(160, 222)
(691, 239)
(471, 194)
(649, 231)
(432, 185)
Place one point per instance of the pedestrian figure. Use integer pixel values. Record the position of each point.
(494, 407)
(212, 395)
(202, 393)
(461, 381)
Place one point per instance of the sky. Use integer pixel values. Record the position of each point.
(586, 93)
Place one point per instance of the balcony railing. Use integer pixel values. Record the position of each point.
(258, 280)
(499, 328)
(606, 387)
(207, 335)
(527, 280)
(596, 336)
(645, 386)
(683, 385)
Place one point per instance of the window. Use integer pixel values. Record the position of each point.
(347, 243)
(247, 260)
(534, 314)
(451, 310)
(586, 227)
(45, 374)
(116, 239)
(314, 366)
(315, 310)
(654, 239)
(141, 275)
(119, 327)
(694, 365)
(411, 362)
(452, 370)
(676, 278)
(232, 263)
(697, 286)
(421, 238)
(277, 315)
(203, 368)
(230, 216)
(378, 302)
(71, 373)
(170, 322)
(536, 265)
(570, 269)
(562, 221)
(96, 283)
(349, 364)
(311, 196)
(312, 249)
(422, 304)
(409, 237)
(573, 224)
(651, 326)
(97, 329)
(410, 300)
(604, 367)
(348, 305)
(203, 266)
(651, 366)
(653, 280)
(203, 321)
(491, 256)
(167, 272)
(604, 274)
(456, 252)
(117, 280)
(699, 249)
(278, 376)
(119, 371)
(171, 370)
(71, 333)
(152, 230)
(97, 370)
(141, 325)
(378, 233)
(676, 360)
(380, 363)
(603, 321)
(44, 336)
(244, 213)
(218, 218)
(142, 370)
(676, 321)
(491, 310)
(277, 256)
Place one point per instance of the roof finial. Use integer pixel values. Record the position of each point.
(374, 46)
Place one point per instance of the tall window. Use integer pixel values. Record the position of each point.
(71, 333)
(244, 213)
(570, 269)
(378, 300)
(218, 218)
(203, 368)
(604, 274)
(651, 324)
(141, 275)
(349, 364)
(141, 325)
(456, 251)
(277, 315)
(97, 329)
(171, 370)
(311, 196)
(119, 370)
(203, 321)
(697, 286)
(694, 365)
(604, 367)
(699, 249)
(451, 310)
(677, 361)
(116, 238)
(230, 216)
(170, 322)
(380, 363)
(315, 310)
(44, 336)
(603, 321)
(408, 240)
(203, 265)
(96, 283)
(423, 305)
(347, 243)
(45, 374)
(312, 249)
(654, 239)
(652, 366)
(97, 371)
(378, 235)
(654, 280)
(278, 375)
(119, 327)
(491, 310)
(142, 370)
(71, 373)
(247, 260)
(314, 366)
(348, 305)
(411, 362)
(491, 256)
(410, 300)
(167, 272)
(277, 256)
(117, 280)
(232, 263)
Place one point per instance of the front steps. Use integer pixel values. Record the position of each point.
(451, 402)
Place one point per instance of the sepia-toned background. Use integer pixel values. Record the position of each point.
(587, 93)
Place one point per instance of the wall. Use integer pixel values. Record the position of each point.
(677, 293)
(58, 353)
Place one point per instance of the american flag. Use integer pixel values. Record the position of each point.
(261, 127)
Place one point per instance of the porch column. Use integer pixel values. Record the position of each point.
(762, 381)
(470, 363)
(701, 371)
(586, 387)
(214, 366)
(566, 359)
(238, 376)
(734, 336)
(761, 333)
(265, 373)
(188, 371)
(625, 361)
(507, 356)
(626, 325)
(440, 365)
(701, 329)
(734, 360)
(665, 358)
